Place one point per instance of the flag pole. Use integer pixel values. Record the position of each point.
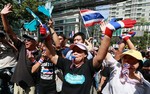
(87, 33)
(89, 18)
(93, 42)
(86, 28)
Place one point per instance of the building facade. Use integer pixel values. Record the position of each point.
(134, 9)
(69, 19)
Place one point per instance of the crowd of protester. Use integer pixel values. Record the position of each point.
(30, 66)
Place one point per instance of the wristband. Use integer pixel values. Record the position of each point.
(41, 61)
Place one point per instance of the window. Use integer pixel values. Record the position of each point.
(70, 20)
(139, 5)
(148, 4)
(139, 9)
(59, 22)
(143, 14)
(140, 0)
(138, 14)
(143, 10)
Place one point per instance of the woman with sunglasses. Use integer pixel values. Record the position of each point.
(79, 72)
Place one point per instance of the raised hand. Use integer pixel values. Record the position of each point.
(126, 23)
(29, 54)
(50, 23)
(127, 36)
(90, 39)
(45, 50)
(89, 45)
(7, 9)
(114, 25)
(103, 27)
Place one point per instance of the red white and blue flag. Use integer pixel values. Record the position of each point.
(91, 17)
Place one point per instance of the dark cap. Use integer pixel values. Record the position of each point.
(80, 46)
(29, 36)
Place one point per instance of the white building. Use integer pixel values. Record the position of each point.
(134, 9)
(66, 14)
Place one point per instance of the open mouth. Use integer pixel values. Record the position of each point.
(27, 44)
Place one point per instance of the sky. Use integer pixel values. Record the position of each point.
(104, 10)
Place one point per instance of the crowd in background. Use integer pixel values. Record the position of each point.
(52, 66)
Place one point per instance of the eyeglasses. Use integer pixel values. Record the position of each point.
(78, 51)
(27, 40)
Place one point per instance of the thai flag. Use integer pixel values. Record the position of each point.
(91, 17)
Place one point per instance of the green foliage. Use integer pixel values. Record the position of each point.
(143, 41)
(143, 21)
(19, 15)
(21, 12)
(140, 42)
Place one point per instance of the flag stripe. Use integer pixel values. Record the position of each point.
(111, 27)
(91, 23)
(93, 20)
(91, 17)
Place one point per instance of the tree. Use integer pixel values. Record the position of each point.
(141, 42)
(19, 14)
(21, 11)
(143, 21)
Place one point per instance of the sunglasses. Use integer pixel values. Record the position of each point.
(27, 40)
(78, 51)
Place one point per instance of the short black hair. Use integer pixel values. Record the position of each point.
(80, 34)
(147, 54)
(143, 53)
(62, 35)
(140, 65)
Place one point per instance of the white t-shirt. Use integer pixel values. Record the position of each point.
(7, 56)
(114, 85)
